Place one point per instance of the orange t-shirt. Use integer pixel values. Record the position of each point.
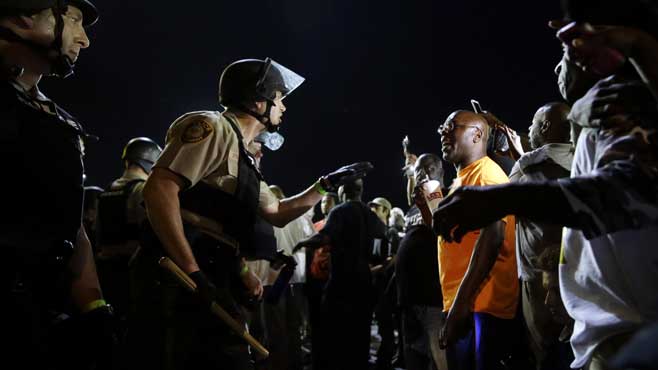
(498, 295)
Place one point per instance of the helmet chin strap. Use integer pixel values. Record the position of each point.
(62, 66)
(262, 118)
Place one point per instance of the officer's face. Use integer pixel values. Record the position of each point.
(74, 37)
(277, 110)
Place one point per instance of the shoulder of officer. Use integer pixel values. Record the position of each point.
(198, 127)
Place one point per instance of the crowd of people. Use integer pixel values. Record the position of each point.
(538, 254)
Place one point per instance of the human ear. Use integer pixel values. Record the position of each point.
(545, 126)
(260, 106)
(477, 136)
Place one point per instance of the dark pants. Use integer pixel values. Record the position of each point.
(542, 331)
(385, 325)
(282, 324)
(345, 336)
(486, 347)
(384, 289)
(170, 329)
(420, 330)
(313, 291)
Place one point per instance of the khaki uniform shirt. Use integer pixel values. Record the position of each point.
(202, 146)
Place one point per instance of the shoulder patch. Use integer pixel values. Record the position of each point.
(196, 131)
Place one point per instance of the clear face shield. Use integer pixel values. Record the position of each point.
(283, 78)
(276, 77)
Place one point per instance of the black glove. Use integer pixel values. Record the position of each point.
(345, 174)
(206, 290)
(282, 259)
(99, 336)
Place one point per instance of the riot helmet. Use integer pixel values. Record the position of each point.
(61, 65)
(253, 80)
(142, 151)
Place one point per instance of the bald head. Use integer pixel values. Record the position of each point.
(464, 137)
(550, 125)
(429, 164)
(352, 190)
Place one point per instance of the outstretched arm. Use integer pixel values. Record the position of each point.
(316, 241)
(471, 208)
(280, 213)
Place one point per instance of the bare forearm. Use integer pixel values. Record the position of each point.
(295, 206)
(163, 208)
(483, 258)
(85, 287)
(316, 241)
(411, 184)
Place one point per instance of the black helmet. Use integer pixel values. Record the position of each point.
(142, 151)
(251, 80)
(89, 11)
(62, 65)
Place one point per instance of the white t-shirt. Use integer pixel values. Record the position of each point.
(287, 238)
(607, 282)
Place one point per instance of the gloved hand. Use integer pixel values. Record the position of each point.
(206, 290)
(282, 259)
(98, 329)
(334, 180)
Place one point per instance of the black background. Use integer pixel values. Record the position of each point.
(375, 70)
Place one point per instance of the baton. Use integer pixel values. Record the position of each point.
(186, 282)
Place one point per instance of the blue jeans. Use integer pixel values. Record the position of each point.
(486, 347)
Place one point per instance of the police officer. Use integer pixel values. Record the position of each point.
(202, 199)
(120, 215)
(120, 212)
(49, 273)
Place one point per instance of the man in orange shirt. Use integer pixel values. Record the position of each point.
(478, 273)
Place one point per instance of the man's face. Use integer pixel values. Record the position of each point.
(553, 299)
(381, 212)
(327, 204)
(535, 134)
(74, 37)
(456, 138)
(276, 113)
(427, 167)
(572, 81)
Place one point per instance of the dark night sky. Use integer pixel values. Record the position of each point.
(375, 70)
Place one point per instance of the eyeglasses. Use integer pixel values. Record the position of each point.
(449, 126)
